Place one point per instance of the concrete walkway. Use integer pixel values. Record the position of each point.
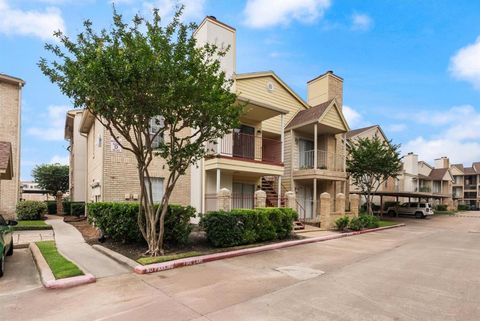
(24, 238)
(71, 244)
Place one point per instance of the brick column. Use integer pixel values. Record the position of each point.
(260, 198)
(59, 199)
(340, 203)
(291, 200)
(224, 200)
(354, 204)
(325, 210)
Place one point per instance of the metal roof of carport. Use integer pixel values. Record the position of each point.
(407, 194)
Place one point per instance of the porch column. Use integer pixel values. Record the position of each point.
(279, 192)
(315, 146)
(344, 156)
(282, 137)
(218, 180)
(314, 197)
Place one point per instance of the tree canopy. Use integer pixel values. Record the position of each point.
(370, 163)
(134, 73)
(52, 177)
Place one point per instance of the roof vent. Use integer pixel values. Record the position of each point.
(213, 17)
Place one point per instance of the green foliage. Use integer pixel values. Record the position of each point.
(60, 266)
(369, 221)
(144, 71)
(77, 208)
(119, 221)
(52, 177)
(66, 207)
(341, 223)
(441, 207)
(463, 207)
(31, 210)
(371, 162)
(247, 226)
(51, 207)
(355, 224)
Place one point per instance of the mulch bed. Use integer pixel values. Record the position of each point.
(197, 242)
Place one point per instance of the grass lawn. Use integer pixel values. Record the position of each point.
(165, 258)
(383, 223)
(32, 225)
(60, 266)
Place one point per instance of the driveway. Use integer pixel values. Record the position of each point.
(428, 270)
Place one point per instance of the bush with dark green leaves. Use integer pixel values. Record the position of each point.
(67, 207)
(247, 226)
(51, 207)
(369, 221)
(463, 207)
(441, 207)
(77, 208)
(341, 223)
(31, 210)
(355, 224)
(119, 221)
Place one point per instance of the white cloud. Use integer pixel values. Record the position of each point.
(267, 13)
(60, 159)
(353, 117)
(458, 137)
(55, 117)
(465, 64)
(193, 9)
(40, 24)
(361, 21)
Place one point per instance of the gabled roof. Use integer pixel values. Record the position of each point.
(469, 171)
(476, 166)
(426, 164)
(459, 166)
(6, 168)
(438, 174)
(355, 132)
(270, 73)
(11, 79)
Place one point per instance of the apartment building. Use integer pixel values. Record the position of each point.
(78, 153)
(10, 111)
(466, 184)
(30, 191)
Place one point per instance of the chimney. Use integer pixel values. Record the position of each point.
(215, 32)
(410, 164)
(442, 162)
(325, 87)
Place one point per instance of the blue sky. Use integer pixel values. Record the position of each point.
(411, 66)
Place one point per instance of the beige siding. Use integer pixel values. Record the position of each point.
(333, 119)
(256, 89)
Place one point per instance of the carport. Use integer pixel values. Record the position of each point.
(415, 195)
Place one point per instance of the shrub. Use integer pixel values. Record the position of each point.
(67, 207)
(119, 221)
(369, 221)
(463, 207)
(77, 208)
(31, 210)
(341, 223)
(355, 224)
(441, 207)
(246, 226)
(51, 207)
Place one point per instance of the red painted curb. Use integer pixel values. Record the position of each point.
(157, 267)
(69, 282)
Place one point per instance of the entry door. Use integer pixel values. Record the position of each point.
(243, 195)
(305, 197)
(244, 142)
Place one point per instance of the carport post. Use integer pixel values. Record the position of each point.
(381, 205)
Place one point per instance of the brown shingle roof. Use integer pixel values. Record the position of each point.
(469, 171)
(437, 174)
(421, 176)
(459, 166)
(357, 131)
(309, 115)
(476, 166)
(5, 160)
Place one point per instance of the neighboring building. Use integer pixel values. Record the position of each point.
(6, 165)
(466, 184)
(10, 111)
(78, 156)
(32, 192)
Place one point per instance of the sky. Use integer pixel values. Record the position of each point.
(413, 67)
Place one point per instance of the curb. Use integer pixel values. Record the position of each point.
(46, 275)
(21, 246)
(157, 267)
(119, 258)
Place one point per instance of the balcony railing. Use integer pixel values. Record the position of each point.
(246, 146)
(325, 160)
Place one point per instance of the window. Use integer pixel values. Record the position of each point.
(157, 189)
(156, 124)
(243, 195)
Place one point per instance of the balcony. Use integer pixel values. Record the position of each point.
(325, 160)
(248, 147)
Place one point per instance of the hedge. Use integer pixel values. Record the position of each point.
(246, 226)
(119, 221)
(77, 208)
(441, 207)
(31, 210)
(52, 207)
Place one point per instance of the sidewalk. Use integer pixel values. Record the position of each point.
(72, 245)
(21, 239)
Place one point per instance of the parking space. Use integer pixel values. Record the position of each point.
(20, 274)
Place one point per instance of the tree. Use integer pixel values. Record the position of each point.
(52, 177)
(370, 162)
(146, 81)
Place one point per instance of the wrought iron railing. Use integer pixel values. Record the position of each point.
(325, 160)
